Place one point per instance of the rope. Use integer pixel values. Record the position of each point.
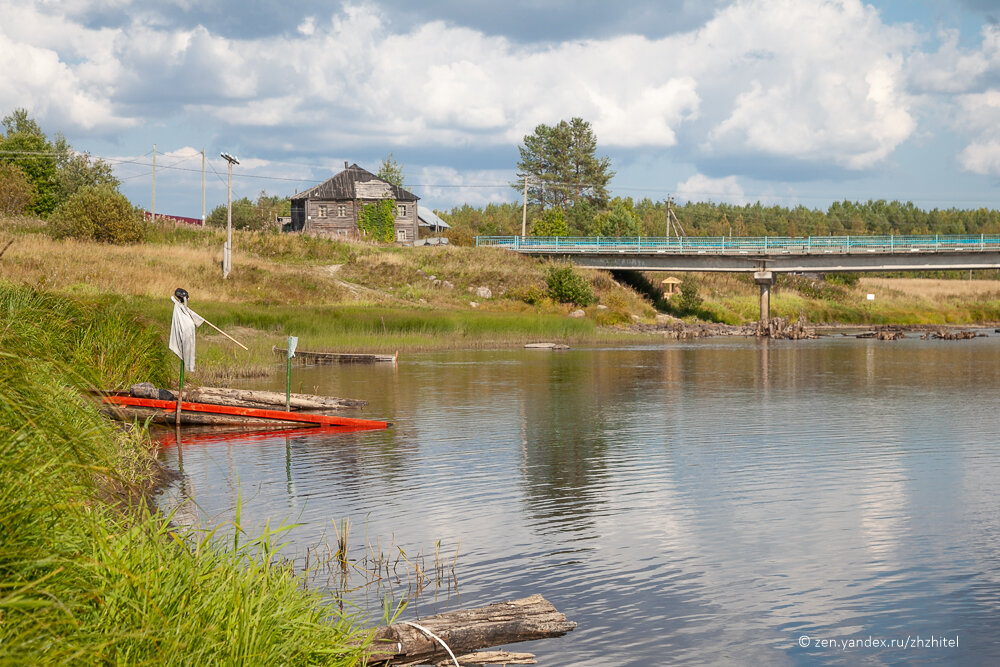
(435, 638)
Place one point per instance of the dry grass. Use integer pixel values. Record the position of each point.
(930, 289)
(156, 270)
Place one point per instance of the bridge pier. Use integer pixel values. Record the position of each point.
(764, 279)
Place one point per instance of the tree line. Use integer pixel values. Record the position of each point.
(627, 217)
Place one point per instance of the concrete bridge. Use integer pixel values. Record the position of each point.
(763, 256)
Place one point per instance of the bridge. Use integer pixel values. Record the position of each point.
(763, 256)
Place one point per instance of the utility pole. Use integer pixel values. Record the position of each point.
(227, 256)
(672, 222)
(524, 209)
(202, 187)
(154, 183)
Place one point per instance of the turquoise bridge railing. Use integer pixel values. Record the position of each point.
(745, 245)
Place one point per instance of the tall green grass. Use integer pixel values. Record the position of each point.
(89, 576)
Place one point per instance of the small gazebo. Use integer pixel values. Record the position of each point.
(671, 286)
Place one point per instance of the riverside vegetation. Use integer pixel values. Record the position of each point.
(89, 573)
(353, 296)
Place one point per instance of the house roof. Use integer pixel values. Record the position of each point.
(427, 218)
(356, 183)
(671, 280)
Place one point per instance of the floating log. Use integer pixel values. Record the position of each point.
(952, 335)
(884, 333)
(467, 630)
(546, 346)
(337, 357)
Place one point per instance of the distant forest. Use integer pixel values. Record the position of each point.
(649, 218)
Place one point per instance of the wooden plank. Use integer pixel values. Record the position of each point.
(330, 420)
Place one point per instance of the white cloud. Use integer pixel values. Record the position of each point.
(702, 188)
(435, 185)
(816, 81)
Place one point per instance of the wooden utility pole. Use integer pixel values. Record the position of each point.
(673, 224)
(202, 187)
(154, 183)
(524, 209)
(227, 251)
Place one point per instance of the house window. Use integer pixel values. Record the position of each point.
(322, 210)
(400, 234)
(400, 210)
(342, 211)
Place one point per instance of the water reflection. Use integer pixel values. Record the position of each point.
(675, 500)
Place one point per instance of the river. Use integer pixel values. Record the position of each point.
(717, 501)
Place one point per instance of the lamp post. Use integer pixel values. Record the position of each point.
(227, 257)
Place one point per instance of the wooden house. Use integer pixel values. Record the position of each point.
(331, 208)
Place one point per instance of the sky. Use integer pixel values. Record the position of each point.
(791, 102)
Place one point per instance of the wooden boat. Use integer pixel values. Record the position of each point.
(165, 412)
(337, 357)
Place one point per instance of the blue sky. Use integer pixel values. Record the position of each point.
(782, 101)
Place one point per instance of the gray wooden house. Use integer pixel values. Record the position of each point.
(331, 208)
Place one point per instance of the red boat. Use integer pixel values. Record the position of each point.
(206, 414)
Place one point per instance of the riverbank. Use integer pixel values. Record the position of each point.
(89, 573)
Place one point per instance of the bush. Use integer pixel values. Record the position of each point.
(688, 301)
(567, 286)
(98, 213)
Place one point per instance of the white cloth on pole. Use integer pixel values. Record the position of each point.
(182, 329)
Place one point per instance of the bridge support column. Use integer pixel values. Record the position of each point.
(765, 279)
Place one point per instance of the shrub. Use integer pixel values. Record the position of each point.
(99, 213)
(567, 286)
(688, 301)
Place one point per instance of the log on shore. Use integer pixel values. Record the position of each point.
(467, 630)
(250, 398)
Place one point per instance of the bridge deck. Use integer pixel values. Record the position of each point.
(762, 245)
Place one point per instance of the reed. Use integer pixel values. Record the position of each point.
(88, 572)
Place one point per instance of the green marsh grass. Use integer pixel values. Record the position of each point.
(89, 574)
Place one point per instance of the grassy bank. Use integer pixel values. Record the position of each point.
(90, 575)
(350, 296)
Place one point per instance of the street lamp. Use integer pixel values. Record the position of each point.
(227, 257)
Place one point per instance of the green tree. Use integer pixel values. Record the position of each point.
(619, 221)
(378, 220)
(251, 215)
(552, 223)
(75, 170)
(17, 193)
(391, 171)
(27, 147)
(567, 286)
(98, 213)
(562, 167)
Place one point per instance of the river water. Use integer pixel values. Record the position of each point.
(715, 501)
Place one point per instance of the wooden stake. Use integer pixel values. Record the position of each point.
(180, 393)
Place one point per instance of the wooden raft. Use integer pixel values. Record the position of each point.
(467, 630)
(338, 357)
